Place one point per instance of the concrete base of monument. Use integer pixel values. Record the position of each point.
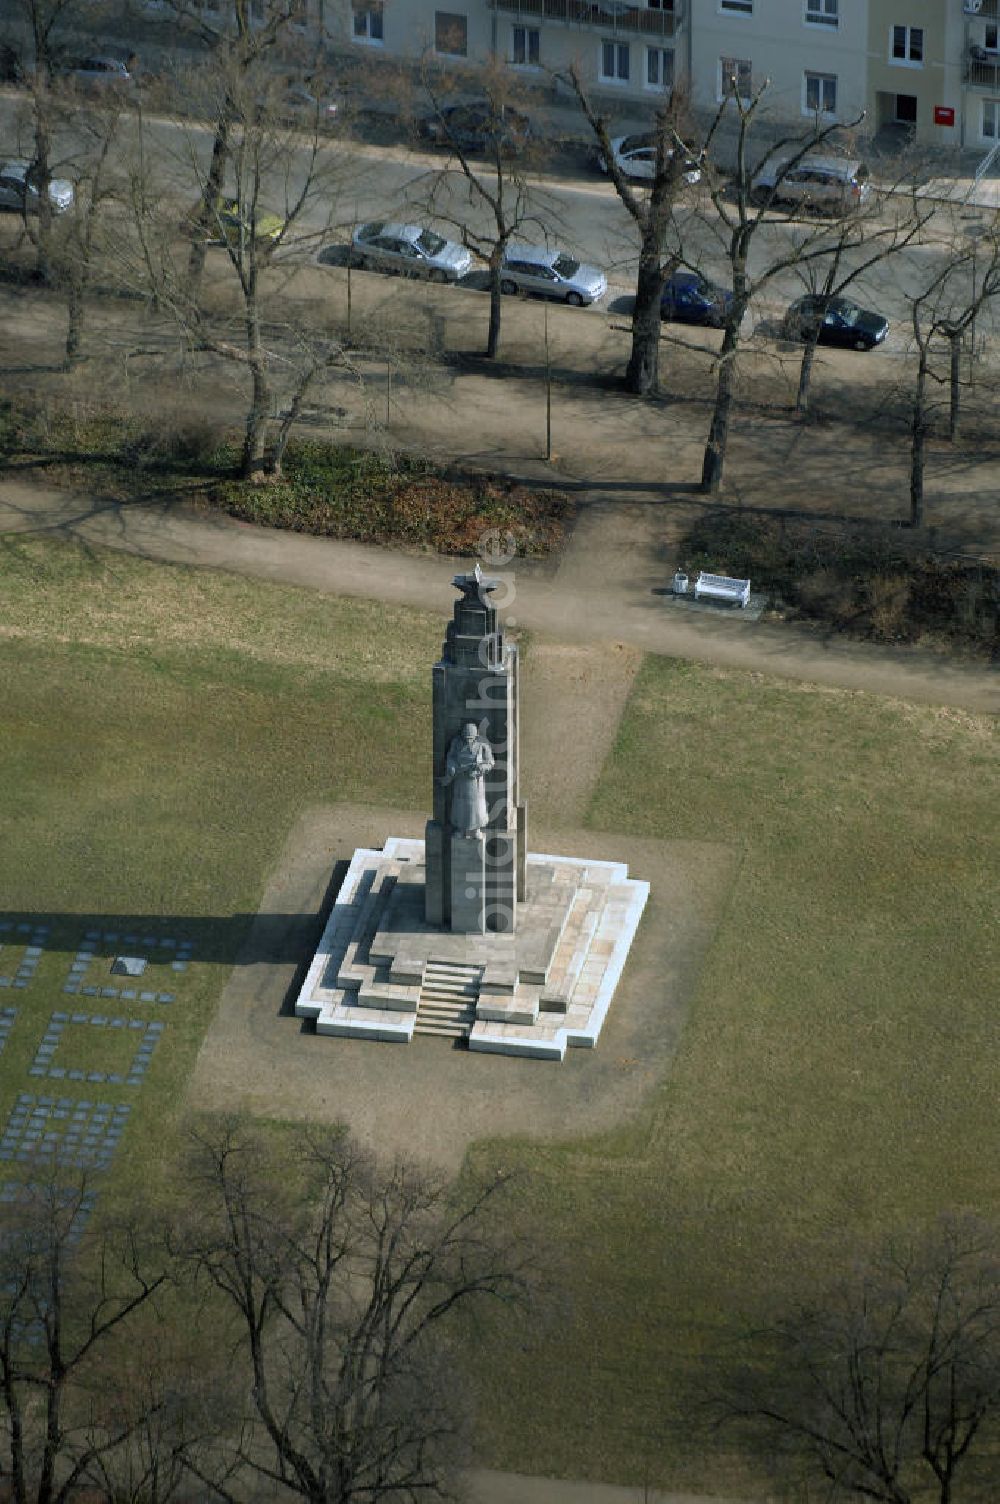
(382, 972)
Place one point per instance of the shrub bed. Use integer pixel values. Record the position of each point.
(325, 488)
(876, 583)
(379, 497)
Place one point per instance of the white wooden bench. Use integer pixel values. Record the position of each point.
(719, 587)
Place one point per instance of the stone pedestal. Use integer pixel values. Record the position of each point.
(468, 884)
(383, 972)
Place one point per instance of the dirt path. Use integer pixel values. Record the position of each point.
(605, 590)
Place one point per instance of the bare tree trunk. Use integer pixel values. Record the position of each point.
(493, 336)
(277, 454)
(205, 218)
(714, 461)
(74, 326)
(252, 459)
(642, 375)
(955, 352)
(805, 375)
(43, 244)
(918, 442)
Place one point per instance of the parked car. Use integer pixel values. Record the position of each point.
(20, 190)
(554, 274)
(411, 249)
(94, 75)
(231, 224)
(689, 298)
(477, 128)
(843, 323)
(636, 157)
(294, 101)
(826, 184)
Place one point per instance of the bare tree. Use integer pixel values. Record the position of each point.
(888, 1386)
(47, 22)
(652, 210)
(877, 243)
(500, 192)
(241, 38)
(174, 1394)
(344, 1280)
(739, 212)
(71, 1285)
(945, 309)
(263, 248)
(81, 237)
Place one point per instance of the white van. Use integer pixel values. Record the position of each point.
(831, 185)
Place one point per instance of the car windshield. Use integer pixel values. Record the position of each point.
(848, 313)
(636, 143)
(431, 244)
(565, 266)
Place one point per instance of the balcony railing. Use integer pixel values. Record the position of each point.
(608, 15)
(982, 73)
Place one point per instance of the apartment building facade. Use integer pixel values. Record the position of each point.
(927, 69)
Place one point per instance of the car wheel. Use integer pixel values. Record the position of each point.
(861, 344)
(507, 286)
(437, 275)
(574, 300)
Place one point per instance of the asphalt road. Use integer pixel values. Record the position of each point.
(571, 206)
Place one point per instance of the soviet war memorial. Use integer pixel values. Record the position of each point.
(468, 932)
(498, 689)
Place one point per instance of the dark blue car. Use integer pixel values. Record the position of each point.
(689, 298)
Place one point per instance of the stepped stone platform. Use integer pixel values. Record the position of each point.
(382, 972)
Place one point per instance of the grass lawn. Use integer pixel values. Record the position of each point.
(163, 727)
(836, 1077)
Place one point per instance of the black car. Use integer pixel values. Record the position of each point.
(689, 298)
(840, 322)
(477, 128)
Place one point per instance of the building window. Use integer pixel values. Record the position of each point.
(525, 48)
(451, 33)
(736, 7)
(666, 5)
(615, 62)
(823, 12)
(991, 119)
(368, 23)
(820, 94)
(906, 45)
(735, 76)
(990, 36)
(659, 68)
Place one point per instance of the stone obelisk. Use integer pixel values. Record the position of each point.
(476, 840)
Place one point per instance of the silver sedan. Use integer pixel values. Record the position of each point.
(410, 249)
(554, 274)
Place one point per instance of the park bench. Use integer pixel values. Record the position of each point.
(719, 587)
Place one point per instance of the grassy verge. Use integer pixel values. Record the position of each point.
(875, 583)
(835, 1078)
(329, 489)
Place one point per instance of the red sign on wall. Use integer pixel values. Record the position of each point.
(944, 114)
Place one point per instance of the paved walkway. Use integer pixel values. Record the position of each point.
(607, 588)
(514, 1488)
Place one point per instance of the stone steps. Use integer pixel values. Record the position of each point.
(447, 1003)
